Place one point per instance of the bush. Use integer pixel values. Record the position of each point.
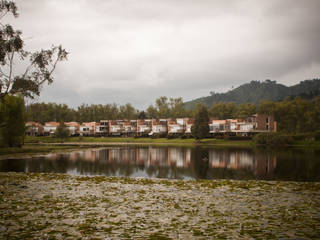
(12, 121)
(184, 136)
(274, 139)
(62, 131)
(303, 136)
(239, 138)
(317, 135)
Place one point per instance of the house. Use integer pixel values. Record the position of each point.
(50, 128)
(87, 128)
(34, 129)
(129, 127)
(189, 123)
(263, 122)
(159, 126)
(102, 128)
(218, 126)
(115, 127)
(144, 126)
(176, 126)
(73, 128)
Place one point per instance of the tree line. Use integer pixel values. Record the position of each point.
(162, 108)
(292, 115)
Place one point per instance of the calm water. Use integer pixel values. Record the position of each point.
(178, 163)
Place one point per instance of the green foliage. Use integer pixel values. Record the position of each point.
(245, 110)
(200, 128)
(174, 108)
(62, 131)
(45, 112)
(127, 112)
(317, 136)
(40, 64)
(298, 115)
(12, 121)
(223, 110)
(273, 139)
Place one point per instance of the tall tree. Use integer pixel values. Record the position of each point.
(163, 107)
(177, 109)
(12, 113)
(200, 128)
(223, 110)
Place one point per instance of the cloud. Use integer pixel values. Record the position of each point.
(136, 50)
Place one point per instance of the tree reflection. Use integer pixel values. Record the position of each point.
(178, 163)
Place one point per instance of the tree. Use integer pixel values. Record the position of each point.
(163, 107)
(62, 131)
(152, 112)
(245, 110)
(12, 113)
(200, 128)
(223, 110)
(127, 112)
(142, 115)
(177, 109)
(40, 64)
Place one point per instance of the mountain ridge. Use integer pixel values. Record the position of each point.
(256, 91)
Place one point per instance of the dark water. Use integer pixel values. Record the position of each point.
(178, 163)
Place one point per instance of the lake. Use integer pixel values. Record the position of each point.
(177, 163)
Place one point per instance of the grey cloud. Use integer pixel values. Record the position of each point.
(136, 50)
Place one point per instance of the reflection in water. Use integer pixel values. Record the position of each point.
(178, 163)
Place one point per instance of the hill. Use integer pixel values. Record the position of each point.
(255, 91)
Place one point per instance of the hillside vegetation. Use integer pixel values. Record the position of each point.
(256, 91)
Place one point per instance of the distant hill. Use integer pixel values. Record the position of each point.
(255, 91)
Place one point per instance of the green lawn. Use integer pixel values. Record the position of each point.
(175, 141)
(34, 149)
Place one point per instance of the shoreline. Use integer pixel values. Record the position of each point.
(52, 145)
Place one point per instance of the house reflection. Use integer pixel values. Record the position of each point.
(176, 162)
(258, 163)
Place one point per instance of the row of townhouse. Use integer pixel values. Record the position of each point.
(252, 124)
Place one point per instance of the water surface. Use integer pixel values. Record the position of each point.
(177, 163)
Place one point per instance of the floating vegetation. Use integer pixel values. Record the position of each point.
(59, 206)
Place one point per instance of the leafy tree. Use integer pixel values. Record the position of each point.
(12, 114)
(177, 109)
(267, 107)
(142, 115)
(127, 112)
(40, 64)
(163, 107)
(223, 110)
(62, 131)
(200, 128)
(245, 110)
(152, 112)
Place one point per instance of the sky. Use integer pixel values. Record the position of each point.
(134, 51)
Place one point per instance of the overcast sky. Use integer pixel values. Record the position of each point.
(137, 50)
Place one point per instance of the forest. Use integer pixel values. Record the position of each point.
(293, 115)
(256, 91)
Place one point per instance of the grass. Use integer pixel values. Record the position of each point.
(149, 141)
(38, 145)
(29, 149)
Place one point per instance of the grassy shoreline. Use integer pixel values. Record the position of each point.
(160, 141)
(59, 206)
(43, 145)
(29, 150)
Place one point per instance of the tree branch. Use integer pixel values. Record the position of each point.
(10, 74)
